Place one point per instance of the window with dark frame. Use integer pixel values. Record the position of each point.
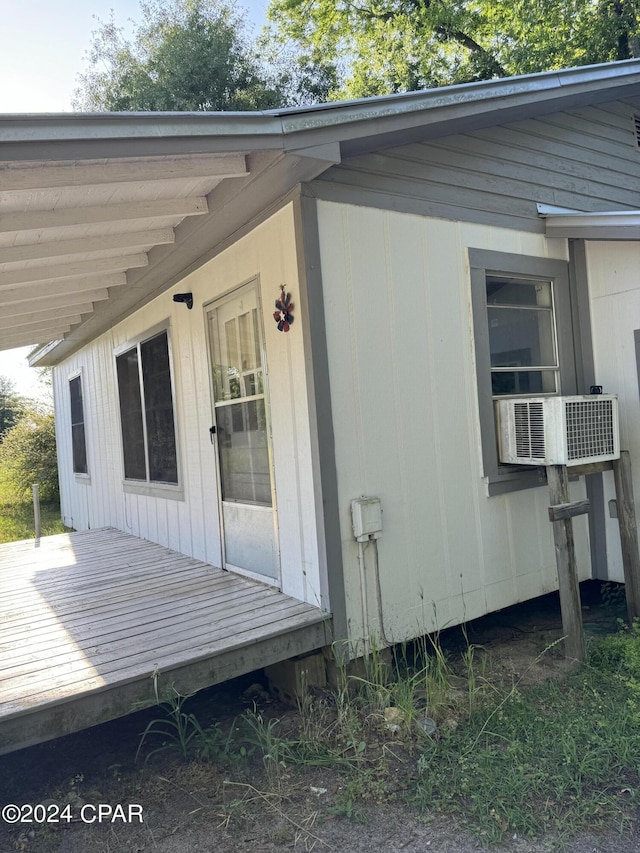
(146, 411)
(523, 336)
(78, 439)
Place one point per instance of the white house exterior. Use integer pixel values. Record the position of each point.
(408, 233)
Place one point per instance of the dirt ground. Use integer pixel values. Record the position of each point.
(194, 807)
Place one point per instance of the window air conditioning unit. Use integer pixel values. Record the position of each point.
(558, 430)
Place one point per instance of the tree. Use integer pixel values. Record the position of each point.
(191, 55)
(28, 452)
(402, 45)
(11, 405)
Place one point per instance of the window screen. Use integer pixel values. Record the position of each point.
(146, 412)
(78, 440)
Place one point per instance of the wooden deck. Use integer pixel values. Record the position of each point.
(87, 618)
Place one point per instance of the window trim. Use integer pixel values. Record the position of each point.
(80, 476)
(149, 488)
(483, 262)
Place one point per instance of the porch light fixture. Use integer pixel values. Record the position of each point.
(187, 298)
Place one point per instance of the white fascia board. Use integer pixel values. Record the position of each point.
(599, 225)
(40, 352)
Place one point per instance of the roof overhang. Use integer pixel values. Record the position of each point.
(601, 225)
(84, 243)
(100, 213)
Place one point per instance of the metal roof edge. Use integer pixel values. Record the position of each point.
(86, 127)
(477, 89)
(269, 128)
(590, 225)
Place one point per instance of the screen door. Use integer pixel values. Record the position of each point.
(242, 435)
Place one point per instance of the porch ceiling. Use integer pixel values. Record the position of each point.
(72, 232)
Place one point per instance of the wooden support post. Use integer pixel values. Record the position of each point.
(628, 533)
(574, 645)
(35, 488)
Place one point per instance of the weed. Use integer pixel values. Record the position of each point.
(181, 730)
(279, 752)
(216, 743)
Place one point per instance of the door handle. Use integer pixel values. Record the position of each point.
(212, 432)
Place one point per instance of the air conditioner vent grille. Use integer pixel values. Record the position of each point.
(558, 430)
(529, 429)
(589, 428)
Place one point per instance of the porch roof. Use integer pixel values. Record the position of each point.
(100, 213)
(88, 618)
(599, 225)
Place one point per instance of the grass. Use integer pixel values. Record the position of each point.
(16, 515)
(561, 757)
(553, 759)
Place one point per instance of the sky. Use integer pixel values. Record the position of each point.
(42, 50)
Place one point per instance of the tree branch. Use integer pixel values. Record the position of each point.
(472, 45)
(443, 31)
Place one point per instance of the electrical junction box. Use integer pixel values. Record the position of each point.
(366, 517)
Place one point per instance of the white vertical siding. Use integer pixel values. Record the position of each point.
(404, 400)
(614, 289)
(191, 525)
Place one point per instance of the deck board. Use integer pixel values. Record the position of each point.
(87, 618)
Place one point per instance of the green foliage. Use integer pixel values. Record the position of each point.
(178, 729)
(11, 405)
(390, 46)
(620, 654)
(16, 514)
(555, 758)
(28, 454)
(192, 55)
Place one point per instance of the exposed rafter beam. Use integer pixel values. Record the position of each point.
(35, 220)
(84, 303)
(86, 245)
(18, 177)
(76, 303)
(64, 285)
(38, 325)
(40, 275)
(16, 315)
(32, 338)
(23, 335)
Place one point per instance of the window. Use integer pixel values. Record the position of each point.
(522, 336)
(78, 441)
(146, 411)
(523, 341)
(240, 399)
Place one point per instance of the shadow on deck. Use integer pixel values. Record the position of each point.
(86, 619)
